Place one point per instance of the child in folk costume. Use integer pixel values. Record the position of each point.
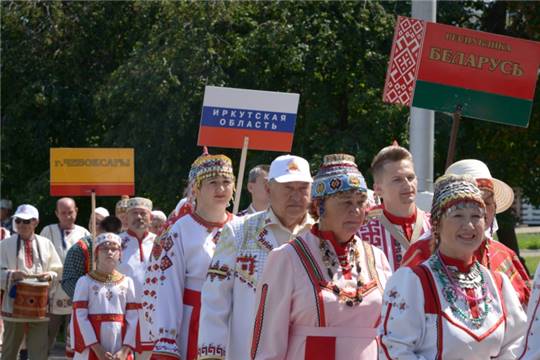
(450, 306)
(498, 197)
(104, 323)
(320, 295)
(178, 267)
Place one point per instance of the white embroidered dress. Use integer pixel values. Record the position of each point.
(105, 313)
(172, 291)
(418, 321)
(228, 294)
(63, 240)
(299, 315)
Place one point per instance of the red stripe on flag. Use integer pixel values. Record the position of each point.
(234, 138)
(495, 80)
(86, 189)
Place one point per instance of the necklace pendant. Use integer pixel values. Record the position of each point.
(349, 303)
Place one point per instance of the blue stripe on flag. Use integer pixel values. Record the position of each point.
(248, 119)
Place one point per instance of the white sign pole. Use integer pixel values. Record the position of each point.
(240, 178)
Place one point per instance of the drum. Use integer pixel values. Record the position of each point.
(31, 300)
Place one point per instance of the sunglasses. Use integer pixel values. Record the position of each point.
(26, 222)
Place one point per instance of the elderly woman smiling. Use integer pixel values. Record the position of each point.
(450, 306)
(320, 295)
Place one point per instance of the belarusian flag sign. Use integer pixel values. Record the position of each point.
(439, 67)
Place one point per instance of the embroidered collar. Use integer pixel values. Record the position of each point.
(272, 219)
(398, 220)
(132, 234)
(208, 224)
(340, 248)
(462, 266)
(113, 277)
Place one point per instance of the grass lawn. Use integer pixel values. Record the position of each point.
(532, 263)
(529, 241)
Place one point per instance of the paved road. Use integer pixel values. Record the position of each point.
(527, 229)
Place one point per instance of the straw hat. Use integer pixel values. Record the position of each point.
(503, 194)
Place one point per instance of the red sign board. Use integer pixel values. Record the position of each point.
(439, 67)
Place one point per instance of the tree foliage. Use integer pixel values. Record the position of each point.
(132, 74)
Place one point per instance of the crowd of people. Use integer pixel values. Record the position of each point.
(317, 267)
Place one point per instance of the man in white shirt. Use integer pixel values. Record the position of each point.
(257, 182)
(137, 243)
(63, 235)
(23, 256)
(228, 294)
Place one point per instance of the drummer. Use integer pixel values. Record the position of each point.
(25, 255)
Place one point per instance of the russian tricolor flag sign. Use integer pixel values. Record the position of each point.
(228, 115)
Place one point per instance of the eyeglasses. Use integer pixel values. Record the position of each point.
(26, 222)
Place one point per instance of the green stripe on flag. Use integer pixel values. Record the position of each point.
(476, 104)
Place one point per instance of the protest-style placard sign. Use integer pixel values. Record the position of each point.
(242, 119)
(229, 115)
(81, 171)
(440, 67)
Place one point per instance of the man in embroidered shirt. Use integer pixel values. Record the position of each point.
(63, 235)
(397, 223)
(25, 255)
(137, 244)
(228, 294)
(257, 180)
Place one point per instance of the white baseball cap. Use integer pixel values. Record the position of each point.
(289, 168)
(26, 212)
(102, 211)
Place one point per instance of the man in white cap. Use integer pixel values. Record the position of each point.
(63, 235)
(228, 294)
(100, 213)
(158, 219)
(22, 256)
(137, 243)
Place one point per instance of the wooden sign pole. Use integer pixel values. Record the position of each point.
(240, 178)
(93, 227)
(456, 118)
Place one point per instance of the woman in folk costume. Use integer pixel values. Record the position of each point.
(498, 197)
(531, 345)
(320, 295)
(105, 319)
(451, 306)
(178, 268)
